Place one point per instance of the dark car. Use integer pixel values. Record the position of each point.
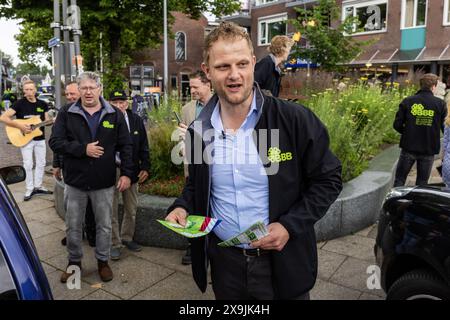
(21, 274)
(413, 243)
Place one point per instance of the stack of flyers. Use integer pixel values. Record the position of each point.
(196, 226)
(254, 233)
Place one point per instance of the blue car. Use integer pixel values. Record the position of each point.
(21, 274)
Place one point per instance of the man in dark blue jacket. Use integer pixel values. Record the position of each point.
(255, 158)
(420, 120)
(88, 135)
(141, 165)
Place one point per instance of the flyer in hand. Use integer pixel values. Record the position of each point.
(196, 226)
(254, 233)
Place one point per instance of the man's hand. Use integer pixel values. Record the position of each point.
(143, 175)
(177, 215)
(93, 150)
(123, 184)
(25, 128)
(182, 128)
(276, 240)
(57, 173)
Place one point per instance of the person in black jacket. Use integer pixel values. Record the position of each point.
(419, 120)
(284, 176)
(88, 135)
(267, 70)
(72, 95)
(141, 166)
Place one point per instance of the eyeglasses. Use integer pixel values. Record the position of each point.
(86, 89)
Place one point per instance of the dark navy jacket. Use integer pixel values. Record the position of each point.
(307, 182)
(139, 140)
(419, 120)
(267, 76)
(70, 137)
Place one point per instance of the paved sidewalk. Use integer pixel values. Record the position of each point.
(157, 273)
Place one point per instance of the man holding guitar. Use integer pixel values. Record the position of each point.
(30, 108)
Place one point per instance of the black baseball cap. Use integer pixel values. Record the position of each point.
(118, 95)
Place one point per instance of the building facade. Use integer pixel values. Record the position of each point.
(407, 35)
(185, 52)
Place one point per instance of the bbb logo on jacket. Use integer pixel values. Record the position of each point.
(423, 116)
(108, 125)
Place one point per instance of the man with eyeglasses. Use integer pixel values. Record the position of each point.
(88, 134)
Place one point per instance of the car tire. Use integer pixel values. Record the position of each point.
(419, 284)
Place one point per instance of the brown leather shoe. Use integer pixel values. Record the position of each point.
(65, 275)
(104, 271)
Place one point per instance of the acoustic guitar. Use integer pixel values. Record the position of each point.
(18, 138)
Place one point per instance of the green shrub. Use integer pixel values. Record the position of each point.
(359, 120)
(161, 126)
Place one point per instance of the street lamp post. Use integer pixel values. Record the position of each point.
(166, 55)
(66, 38)
(76, 29)
(57, 52)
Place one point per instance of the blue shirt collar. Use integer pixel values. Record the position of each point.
(249, 122)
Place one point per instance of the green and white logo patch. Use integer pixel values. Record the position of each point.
(423, 116)
(107, 125)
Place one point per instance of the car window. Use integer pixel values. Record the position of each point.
(7, 288)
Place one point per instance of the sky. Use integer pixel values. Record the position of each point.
(9, 28)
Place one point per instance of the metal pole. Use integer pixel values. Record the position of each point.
(57, 53)
(76, 37)
(101, 56)
(166, 55)
(66, 38)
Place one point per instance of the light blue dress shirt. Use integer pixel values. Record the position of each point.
(239, 184)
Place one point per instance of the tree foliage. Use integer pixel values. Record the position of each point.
(327, 45)
(28, 68)
(126, 26)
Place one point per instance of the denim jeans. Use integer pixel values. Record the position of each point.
(75, 201)
(405, 163)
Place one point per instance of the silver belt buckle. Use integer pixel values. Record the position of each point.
(258, 253)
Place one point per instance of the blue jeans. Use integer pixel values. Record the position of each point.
(75, 201)
(405, 163)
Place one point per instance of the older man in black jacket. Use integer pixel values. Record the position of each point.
(88, 135)
(284, 176)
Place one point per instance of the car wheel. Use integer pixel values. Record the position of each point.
(419, 284)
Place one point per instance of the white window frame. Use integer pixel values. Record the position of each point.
(355, 5)
(267, 20)
(185, 46)
(446, 19)
(403, 18)
(261, 2)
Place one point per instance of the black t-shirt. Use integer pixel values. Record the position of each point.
(26, 109)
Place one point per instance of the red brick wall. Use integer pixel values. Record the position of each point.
(194, 31)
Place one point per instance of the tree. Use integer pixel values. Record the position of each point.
(31, 69)
(7, 60)
(329, 46)
(126, 26)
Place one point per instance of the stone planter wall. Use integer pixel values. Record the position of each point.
(357, 207)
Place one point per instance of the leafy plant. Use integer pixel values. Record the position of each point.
(359, 121)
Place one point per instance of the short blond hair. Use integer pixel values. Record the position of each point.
(227, 31)
(28, 82)
(279, 44)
